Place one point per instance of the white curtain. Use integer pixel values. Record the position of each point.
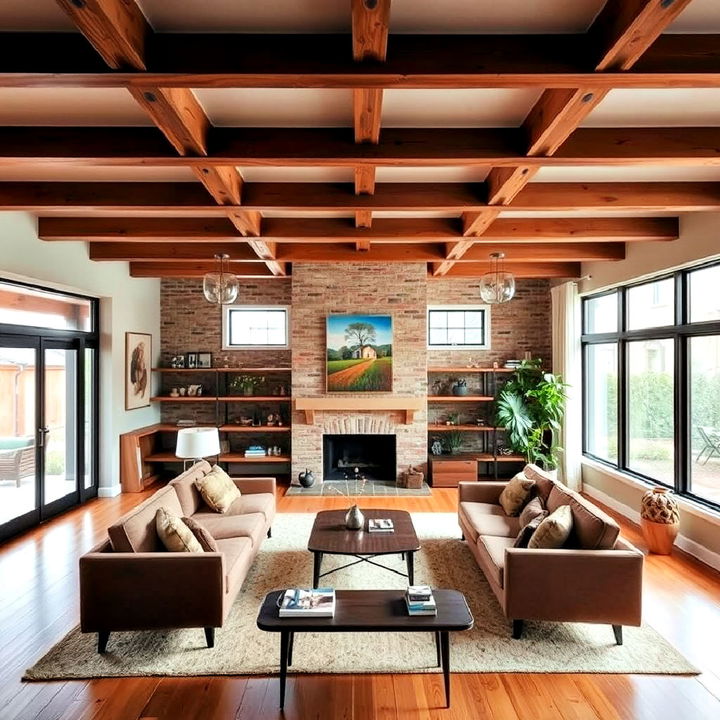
(566, 329)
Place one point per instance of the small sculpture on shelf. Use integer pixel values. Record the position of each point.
(460, 387)
(307, 478)
(436, 447)
(244, 420)
(272, 420)
(440, 387)
(453, 418)
(194, 390)
(177, 361)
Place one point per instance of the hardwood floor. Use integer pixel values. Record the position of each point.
(39, 604)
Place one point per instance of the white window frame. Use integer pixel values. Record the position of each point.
(482, 346)
(227, 309)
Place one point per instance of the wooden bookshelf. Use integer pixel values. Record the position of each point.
(165, 457)
(462, 428)
(460, 398)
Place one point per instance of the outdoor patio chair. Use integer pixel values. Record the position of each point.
(711, 439)
(17, 458)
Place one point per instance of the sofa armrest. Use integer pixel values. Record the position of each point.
(574, 585)
(486, 492)
(255, 485)
(144, 591)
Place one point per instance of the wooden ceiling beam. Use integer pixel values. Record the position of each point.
(421, 61)
(171, 252)
(370, 23)
(190, 198)
(196, 269)
(341, 230)
(117, 29)
(546, 270)
(411, 147)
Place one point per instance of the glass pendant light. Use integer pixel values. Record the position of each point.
(220, 287)
(497, 286)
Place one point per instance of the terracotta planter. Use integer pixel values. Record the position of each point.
(659, 520)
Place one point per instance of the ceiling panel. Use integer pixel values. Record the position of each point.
(657, 108)
(297, 174)
(700, 16)
(457, 107)
(414, 214)
(431, 174)
(308, 214)
(70, 106)
(41, 15)
(586, 213)
(87, 173)
(641, 173)
(277, 107)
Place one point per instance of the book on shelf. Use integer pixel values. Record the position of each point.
(380, 525)
(256, 451)
(306, 602)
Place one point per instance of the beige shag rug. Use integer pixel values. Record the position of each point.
(444, 561)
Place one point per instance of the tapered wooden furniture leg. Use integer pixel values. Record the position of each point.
(437, 649)
(317, 564)
(103, 637)
(210, 636)
(445, 652)
(517, 630)
(617, 629)
(284, 650)
(410, 558)
(291, 645)
(269, 532)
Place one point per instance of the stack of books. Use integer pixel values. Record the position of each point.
(306, 602)
(420, 600)
(513, 364)
(380, 525)
(255, 451)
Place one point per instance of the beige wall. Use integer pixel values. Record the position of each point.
(126, 304)
(699, 240)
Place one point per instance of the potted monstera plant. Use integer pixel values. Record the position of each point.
(530, 407)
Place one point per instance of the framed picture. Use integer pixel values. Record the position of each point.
(138, 357)
(359, 353)
(191, 360)
(204, 359)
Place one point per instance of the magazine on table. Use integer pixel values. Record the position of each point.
(306, 602)
(380, 525)
(420, 601)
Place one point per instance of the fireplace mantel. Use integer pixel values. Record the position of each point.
(407, 405)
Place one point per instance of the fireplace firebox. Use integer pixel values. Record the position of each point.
(374, 456)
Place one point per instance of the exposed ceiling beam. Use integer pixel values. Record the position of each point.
(341, 230)
(326, 253)
(519, 270)
(421, 61)
(370, 22)
(117, 29)
(294, 197)
(194, 269)
(626, 28)
(413, 147)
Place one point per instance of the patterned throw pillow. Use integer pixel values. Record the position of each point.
(534, 508)
(174, 534)
(516, 494)
(554, 530)
(202, 535)
(217, 489)
(526, 531)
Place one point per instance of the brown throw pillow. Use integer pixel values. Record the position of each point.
(526, 531)
(202, 535)
(217, 489)
(174, 534)
(516, 494)
(534, 508)
(554, 530)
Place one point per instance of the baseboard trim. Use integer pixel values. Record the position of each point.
(110, 491)
(684, 543)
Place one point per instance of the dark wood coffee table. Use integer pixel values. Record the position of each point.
(371, 611)
(329, 536)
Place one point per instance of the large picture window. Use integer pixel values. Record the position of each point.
(651, 380)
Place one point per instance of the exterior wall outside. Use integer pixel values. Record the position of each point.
(126, 304)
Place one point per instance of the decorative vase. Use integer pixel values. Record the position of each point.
(460, 388)
(307, 478)
(659, 520)
(354, 519)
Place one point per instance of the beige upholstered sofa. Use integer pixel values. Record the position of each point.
(130, 582)
(596, 577)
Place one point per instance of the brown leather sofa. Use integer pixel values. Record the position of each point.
(130, 582)
(595, 578)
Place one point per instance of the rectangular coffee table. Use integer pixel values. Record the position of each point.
(370, 611)
(329, 536)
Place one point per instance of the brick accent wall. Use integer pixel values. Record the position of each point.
(320, 290)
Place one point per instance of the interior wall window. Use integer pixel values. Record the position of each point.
(658, 416)
(459, 326)
(251, 326)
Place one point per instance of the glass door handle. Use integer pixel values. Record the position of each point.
(42, 432)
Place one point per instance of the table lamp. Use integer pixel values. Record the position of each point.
(196, 443)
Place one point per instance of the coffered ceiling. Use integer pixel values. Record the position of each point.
(367, 130)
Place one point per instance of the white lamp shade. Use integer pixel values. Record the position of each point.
(197, 442)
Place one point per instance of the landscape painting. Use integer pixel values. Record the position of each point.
(359, 353)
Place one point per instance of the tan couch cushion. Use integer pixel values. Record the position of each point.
(496, 525)
(254, 503)
(174, 534)
(202, 535)
(554, 530)
(516, 494)
(221, 527)
(592, 528)
(543, 482)
(238, 557)
(217, 489)
(492, 549)
(184, 485)
(136, 531)
(469, 510)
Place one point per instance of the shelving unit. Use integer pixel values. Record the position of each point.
(449, 470)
